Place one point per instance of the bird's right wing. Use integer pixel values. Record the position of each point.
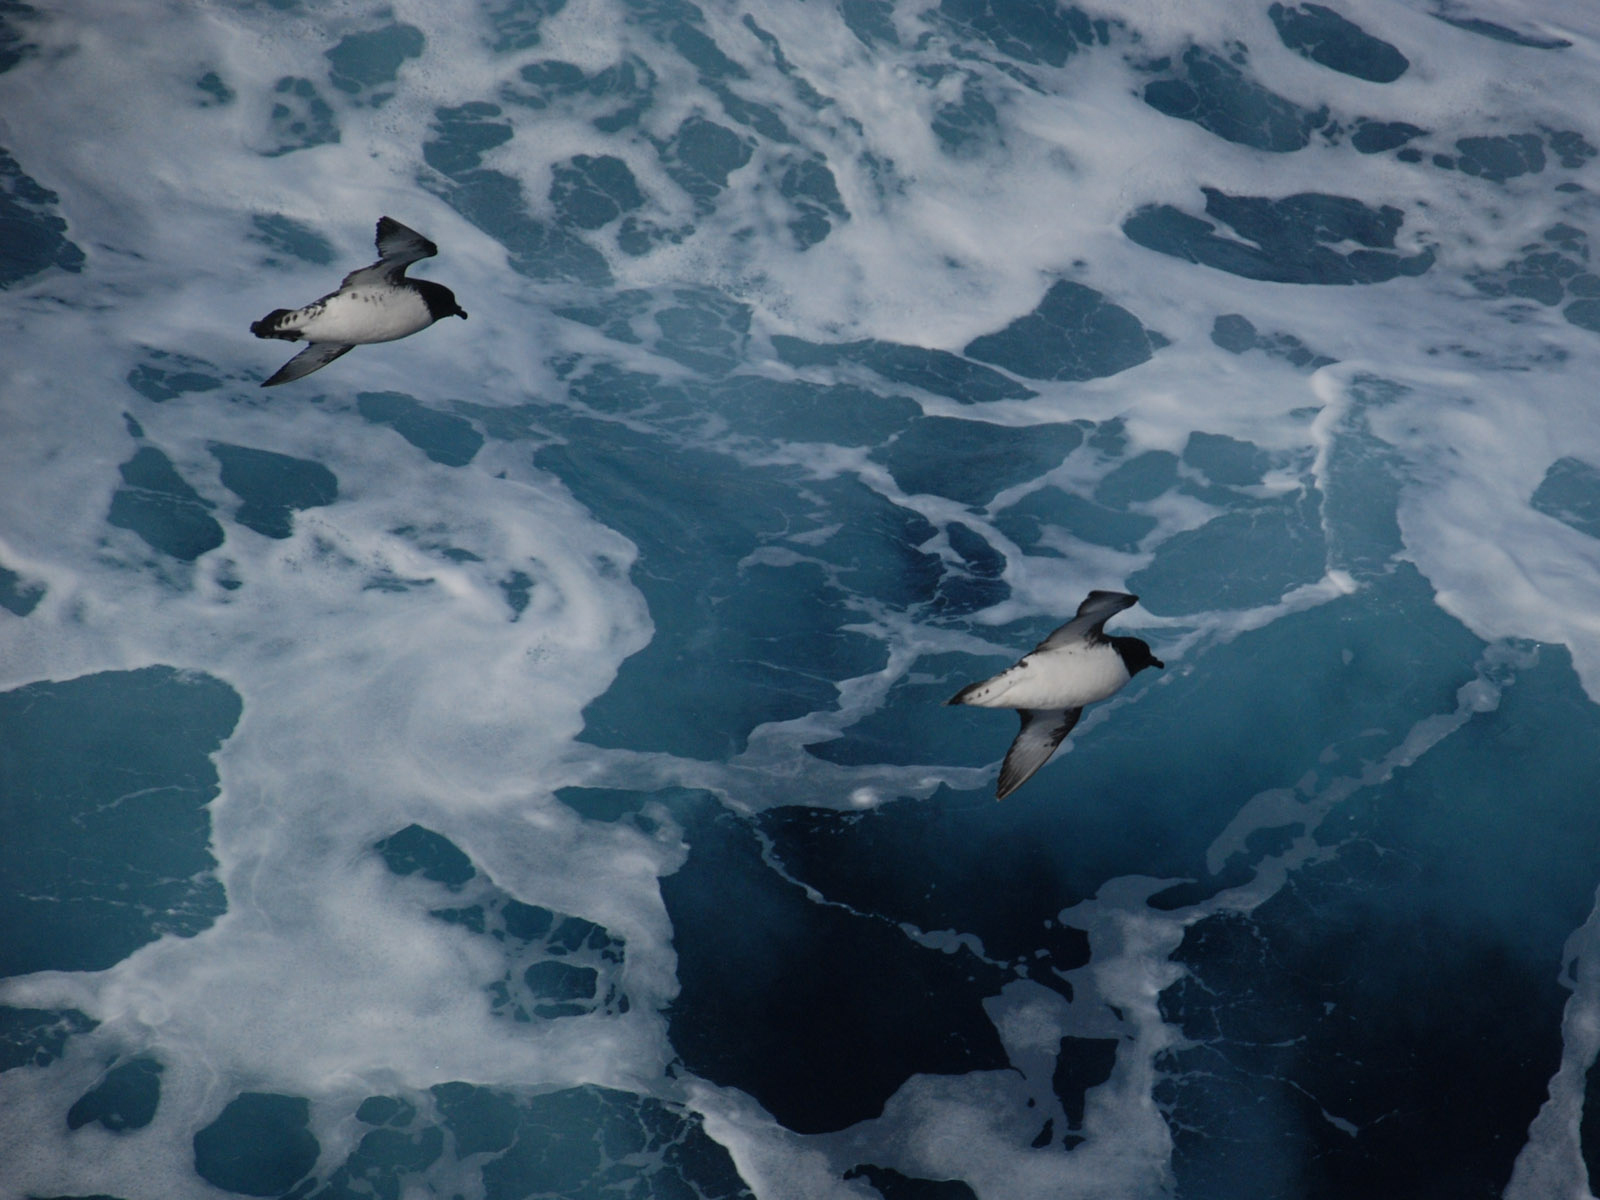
(401, 246)
(313, 358)
(398, 247)
(1097, 608)
(1043, 729)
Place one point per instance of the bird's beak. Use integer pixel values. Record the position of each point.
(1156, 662)
(462, 313)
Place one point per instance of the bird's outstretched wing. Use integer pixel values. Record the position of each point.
(313, 358)
(398, 247)
(1043, 729)
(1096, 609)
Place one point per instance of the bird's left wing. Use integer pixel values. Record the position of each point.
(1042, 731)
(1097, 608)
(313, 358)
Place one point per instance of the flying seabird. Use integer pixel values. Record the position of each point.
(1076, 665)
(375, 304)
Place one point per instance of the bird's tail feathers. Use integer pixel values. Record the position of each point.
(961, 696)
(270, 326)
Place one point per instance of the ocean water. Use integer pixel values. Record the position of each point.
(511, 762)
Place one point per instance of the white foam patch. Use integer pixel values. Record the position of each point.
(1476, 452)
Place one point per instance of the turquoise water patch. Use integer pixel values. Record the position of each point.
(363, 63)
(807, 183)
(1030, 31)
(260, 1144)
(872, 21)
(300, 118)
(14, 46)
(34, 1037)
(1334, 41)
(556, 965)
(1237, 335)
(1502, 33)
(217, 93)
(112, 774)
(1217, 95)
(1468, 949)
(704, 705)
(165, 375)
(1028, 522)
(125, 1099)
(973, 461)
(1075, 333)
(583, 1142)
(975, 583)
(1226, 460)
(273, 487)
(613, 98)
(1549, 271)
(516, 22)
(803, 1042)
(415, 849)
(1570, 492)
(1142, 477)
(1374, 137)
(837, 415)
(18, 594)
(1249, 556)
(1499, 157)
(700, 156)
(35, 237)
(494, 201)
(894, 1185)
(914, 725)
(969, 126)
(286, 236)
(446, 439)
(158, 504)
(591, 191)
(701, 328)
(937, 371)
(1361, 484)
(1288, 240)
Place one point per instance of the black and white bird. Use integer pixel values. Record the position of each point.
(375, 304)
(1076, 665)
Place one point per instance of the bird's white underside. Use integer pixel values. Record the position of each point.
(1067, 677)
(363, 315)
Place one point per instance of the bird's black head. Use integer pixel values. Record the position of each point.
(441, 301)
(1135, 654)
